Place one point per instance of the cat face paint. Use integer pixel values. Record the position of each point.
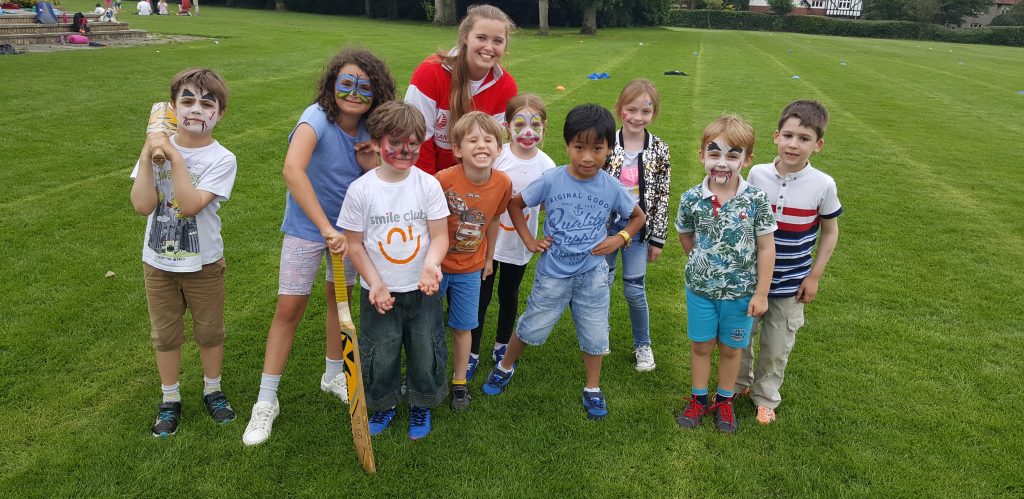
(400, 153)
(195, 113)
(722, 161)
(350, 84)
(527, 128)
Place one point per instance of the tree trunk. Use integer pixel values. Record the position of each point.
(444, 12)
(279, 5)
(542, 7)
(589, 18)
(366, 8)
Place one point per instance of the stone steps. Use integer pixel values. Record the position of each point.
(21, 29)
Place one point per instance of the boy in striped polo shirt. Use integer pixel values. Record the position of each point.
(804, 201)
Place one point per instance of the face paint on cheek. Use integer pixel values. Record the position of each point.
(399, 154)
(720, 168)
(527, 130)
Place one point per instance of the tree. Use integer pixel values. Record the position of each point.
(924, 11)
(589, 18)
(444, 12)
(542, 8)
(781, 7)
(953, 12)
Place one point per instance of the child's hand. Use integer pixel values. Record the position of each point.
(158, 140)
(653, 252)
(758, 306)
(430, 279)
(336, 242)
(488, 270)
(535, 245)
(381, 298)
(808, 290)
(366, 156)
(609, 245)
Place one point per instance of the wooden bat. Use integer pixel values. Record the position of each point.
(161, 120)
(353, 371)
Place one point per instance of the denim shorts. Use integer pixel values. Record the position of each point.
(726, 320)
(463, 292)
(585, 294)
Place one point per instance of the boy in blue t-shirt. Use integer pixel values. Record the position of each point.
(572, 271)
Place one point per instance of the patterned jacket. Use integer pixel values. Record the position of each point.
(655, 177)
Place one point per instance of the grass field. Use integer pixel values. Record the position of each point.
(905, 380)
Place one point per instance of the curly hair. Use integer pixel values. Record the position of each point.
(380, 79)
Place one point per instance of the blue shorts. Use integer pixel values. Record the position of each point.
(726, 320)
(463, 292)
(585, 294)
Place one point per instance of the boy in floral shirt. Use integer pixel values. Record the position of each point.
(725, 226)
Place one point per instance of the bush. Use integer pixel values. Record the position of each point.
(781, 7)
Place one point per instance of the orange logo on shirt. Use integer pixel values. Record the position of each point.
(400, 261)
(512, 229)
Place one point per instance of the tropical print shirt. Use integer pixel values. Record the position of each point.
(723, 263)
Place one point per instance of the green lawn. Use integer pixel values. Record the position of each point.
(903, 383)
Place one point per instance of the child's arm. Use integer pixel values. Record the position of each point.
(296, 161)
(687, 240)
(765, 267)
(616, 241)
(190, 200)
(380, 297)
(829, 237)
(144, 196)
(366, 157)
(430, 278)
(492, 239)
(515, 212)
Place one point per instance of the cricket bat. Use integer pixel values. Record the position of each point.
(161, 120)
(353, 371)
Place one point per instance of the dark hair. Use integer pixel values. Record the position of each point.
(589, 120)
(204, 79)
(398, 119)
(380, 79)
(811, 114)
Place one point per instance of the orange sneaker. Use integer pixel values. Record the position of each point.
(765, 415)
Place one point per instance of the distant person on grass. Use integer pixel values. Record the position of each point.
(572, 272)
(328, 149)
(805, 201)
(183, 252)
(161, 8)
(725, 226)
(143, 8)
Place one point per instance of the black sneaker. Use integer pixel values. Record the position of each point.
(460, 397)
(219, 408)
(167, 419)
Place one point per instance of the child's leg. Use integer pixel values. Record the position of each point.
(463, 292)
(168, 364)
(287, 316)
(592, 368)
(422, 324)
(486, 290)
(733, 336)
(544, 307)
(728, 368)
(461, 342)
(702, 325)
(204, 295)
(167, 324)
(589, 304)
(634, 269)
(380, 350)
(700, 365)
(508, 300)
(300, 261)
(784, 318)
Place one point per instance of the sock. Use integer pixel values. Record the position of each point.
(211, 385)
(268, 388)
(333, 368)
(458, 382)
(474, 356)
(592, 391)
(701, 394)
(722, 395)
(502, 369)
(171, 393)
(499, 346)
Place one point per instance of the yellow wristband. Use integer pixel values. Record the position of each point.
(626, 238)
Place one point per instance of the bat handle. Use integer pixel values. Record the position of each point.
(158, 156)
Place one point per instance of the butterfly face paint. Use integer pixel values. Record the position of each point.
(400, 153)
(197, 111)
(722, 161)
(353, 85)
(527, 128)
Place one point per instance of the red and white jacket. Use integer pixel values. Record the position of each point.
(429, 91)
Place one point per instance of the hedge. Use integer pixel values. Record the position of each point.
(818, 25)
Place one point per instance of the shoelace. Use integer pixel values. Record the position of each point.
(166, 415)
(725, 410)
(418, 417)
(596, 402)
(260, 419)
(219, 404)
(380, 417)
(693, 409)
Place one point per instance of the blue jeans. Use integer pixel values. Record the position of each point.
(634, 268)
(585, 294)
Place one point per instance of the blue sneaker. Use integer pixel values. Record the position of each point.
(496, 380)
(474, 360)
(499, 353)
(419, 422)
(380, 420)
(595, 405)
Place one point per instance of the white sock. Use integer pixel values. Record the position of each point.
(211, 385)
(502, 369)
(332, 368)
(497, 346)
(268, 388)
(592, 391)
(171, 392)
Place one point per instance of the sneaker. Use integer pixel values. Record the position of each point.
(460, 397)
(261, 422)
(742, 391)
(167, 419)
(595, 405)
(474, 360)
(219, 408)
(644, 358)
(496, 380)
(690, 417)
(499, 353)
(725, 419)
(419, 422)
(380, 420)
(765, 415)
(338, 386)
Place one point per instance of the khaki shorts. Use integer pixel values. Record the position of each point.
(170, 293)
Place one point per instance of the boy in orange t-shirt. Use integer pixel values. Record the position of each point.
(477, 196)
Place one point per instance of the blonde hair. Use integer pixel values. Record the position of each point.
(473, 119)
(635, 89)
(736, 130)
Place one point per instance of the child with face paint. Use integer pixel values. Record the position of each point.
(395, 219)
(640, 160)
(467, 78)
(183, 251)
(328, 149)
(725, 226)
(477, 196)
(805, 200)
(523, 161)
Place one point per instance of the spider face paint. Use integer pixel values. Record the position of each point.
(400, 153)
(527, 128)
(722, 161)
(354, 85)
(197, 111)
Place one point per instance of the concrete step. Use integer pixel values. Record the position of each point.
(29, 18)
(55, 38)
(28, 29)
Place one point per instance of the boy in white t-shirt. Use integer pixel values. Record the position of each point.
(183, 252)
(395, 220)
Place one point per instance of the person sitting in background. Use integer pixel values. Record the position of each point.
(161, 7)
(143, 8)
(185, 9)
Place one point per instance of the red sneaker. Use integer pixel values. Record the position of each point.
(725, 418)
(690, 417)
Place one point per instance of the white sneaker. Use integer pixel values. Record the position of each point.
(338, 386)
(644, 358)
(261, 422)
